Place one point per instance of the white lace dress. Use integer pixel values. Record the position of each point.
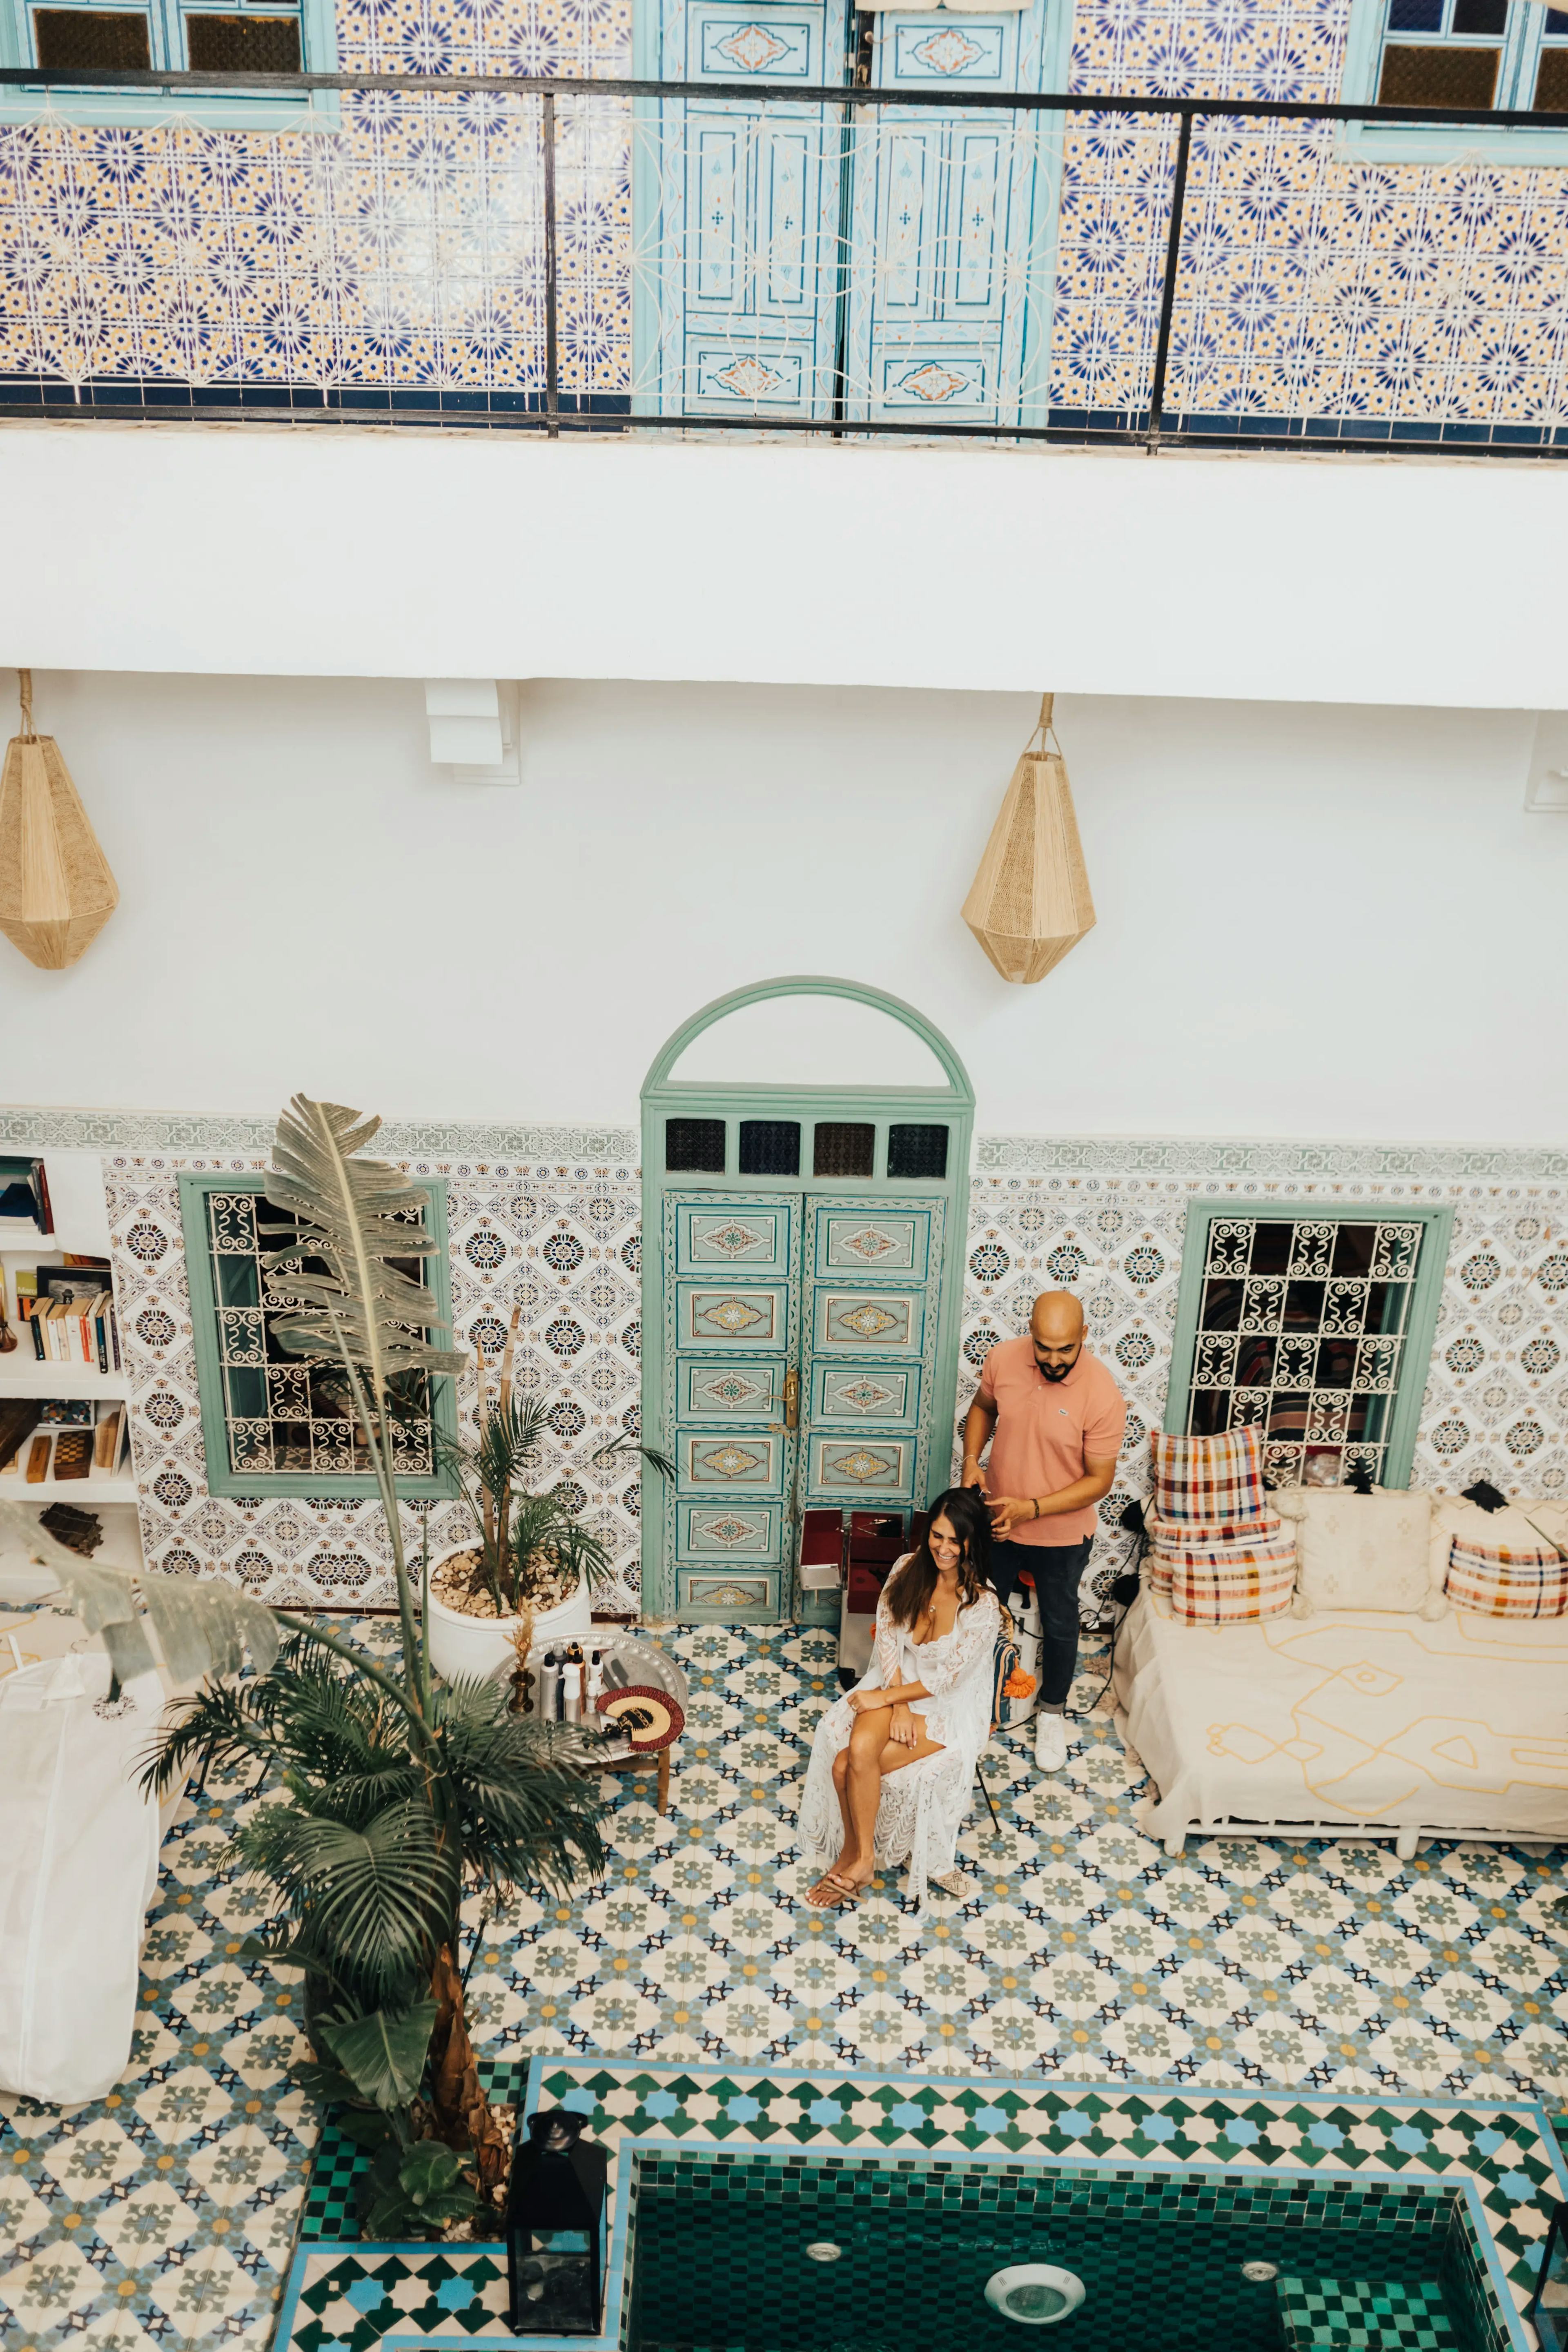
(924, 1805)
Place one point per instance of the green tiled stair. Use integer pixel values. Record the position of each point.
(1324, 2314)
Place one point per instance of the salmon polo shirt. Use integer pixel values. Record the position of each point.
(1045, 1430)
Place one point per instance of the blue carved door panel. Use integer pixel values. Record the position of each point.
(952, 229)
(873, 1275)
(738, 237)
(733, 1342)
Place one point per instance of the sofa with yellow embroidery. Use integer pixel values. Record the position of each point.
(1417, 1719)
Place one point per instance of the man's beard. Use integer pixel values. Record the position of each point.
(1053, 1372)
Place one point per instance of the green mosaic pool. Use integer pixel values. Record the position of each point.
(720, 2260)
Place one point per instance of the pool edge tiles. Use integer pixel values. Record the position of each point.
(1501, 2156)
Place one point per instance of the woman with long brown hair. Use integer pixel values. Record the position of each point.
(893, 1761)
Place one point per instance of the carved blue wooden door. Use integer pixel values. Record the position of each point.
(950, 245)
(900, 260)
(738, 234)
(730, 1361)
(871, 1280)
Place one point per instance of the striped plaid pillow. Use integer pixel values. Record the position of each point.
(1498, 1580)
(1208, 1481)
(1233, 1583)
(1170, 1540)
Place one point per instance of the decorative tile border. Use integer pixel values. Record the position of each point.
(39, 1130)
(1221, 1163)
(1502, 2158)
(1216, 1162)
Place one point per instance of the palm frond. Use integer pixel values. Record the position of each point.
(204, 1625)
(222, 1723)
(618, 1447)
(380, 1898)
(508, 1443)
(579, 1552)
(352, 1214)
(529, 1794)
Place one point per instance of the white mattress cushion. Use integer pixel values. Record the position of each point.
(1358, 1552)
(1453, 1725)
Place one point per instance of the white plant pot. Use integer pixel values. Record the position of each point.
(481, 1648)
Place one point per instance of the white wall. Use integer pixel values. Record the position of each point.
(1313, 922)
(397, 555)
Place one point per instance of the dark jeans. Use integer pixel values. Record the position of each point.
(1057, 1570)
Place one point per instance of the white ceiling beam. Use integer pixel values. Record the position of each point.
(473, 729)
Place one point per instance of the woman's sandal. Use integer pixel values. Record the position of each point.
(844, 1892)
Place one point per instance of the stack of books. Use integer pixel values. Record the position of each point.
(25, 1191)
(70, 1311)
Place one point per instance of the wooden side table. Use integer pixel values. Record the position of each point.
(630, 1760)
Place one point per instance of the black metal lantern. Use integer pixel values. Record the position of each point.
(554, 2227)
(1548, 2313)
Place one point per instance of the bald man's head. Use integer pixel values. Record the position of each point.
(1055, 1330)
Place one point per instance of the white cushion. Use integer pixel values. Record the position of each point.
(1364, 1551)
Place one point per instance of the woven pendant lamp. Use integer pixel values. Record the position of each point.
(1030, 901)
(55, 889)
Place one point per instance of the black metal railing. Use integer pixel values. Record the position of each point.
(546, 398)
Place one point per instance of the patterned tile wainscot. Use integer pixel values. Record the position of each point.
(561, 1242)
(560, 1237)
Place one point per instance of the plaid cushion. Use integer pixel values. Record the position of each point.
(1208, 1482)
(1498, 1580)
(1231, 1583)
(1172, 1540)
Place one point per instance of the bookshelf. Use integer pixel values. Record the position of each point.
(23, 1376)
(81, 1229)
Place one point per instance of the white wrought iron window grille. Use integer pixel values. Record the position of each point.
(1302, 1333)
(286, 1414)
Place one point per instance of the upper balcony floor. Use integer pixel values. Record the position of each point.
(1337, 223)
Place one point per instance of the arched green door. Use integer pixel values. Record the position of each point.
(802, 1283)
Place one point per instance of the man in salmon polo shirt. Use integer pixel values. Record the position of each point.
(1054, 1419)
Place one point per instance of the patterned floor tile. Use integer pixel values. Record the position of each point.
(1082, 1954)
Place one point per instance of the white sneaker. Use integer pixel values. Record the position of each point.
(1050, 1742)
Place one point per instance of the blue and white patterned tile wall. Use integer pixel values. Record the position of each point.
(402, 251)
(562, 1240)
(1496, 1403)
(1312, 284)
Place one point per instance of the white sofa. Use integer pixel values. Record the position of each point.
(79, 1865)
(1400, 1723)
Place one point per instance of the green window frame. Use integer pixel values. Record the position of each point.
(1528, 41)
(222, 1478)
(1421, 1315)
(173, 36)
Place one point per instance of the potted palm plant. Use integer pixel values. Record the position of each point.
(392, 1798)
(529, 1573)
